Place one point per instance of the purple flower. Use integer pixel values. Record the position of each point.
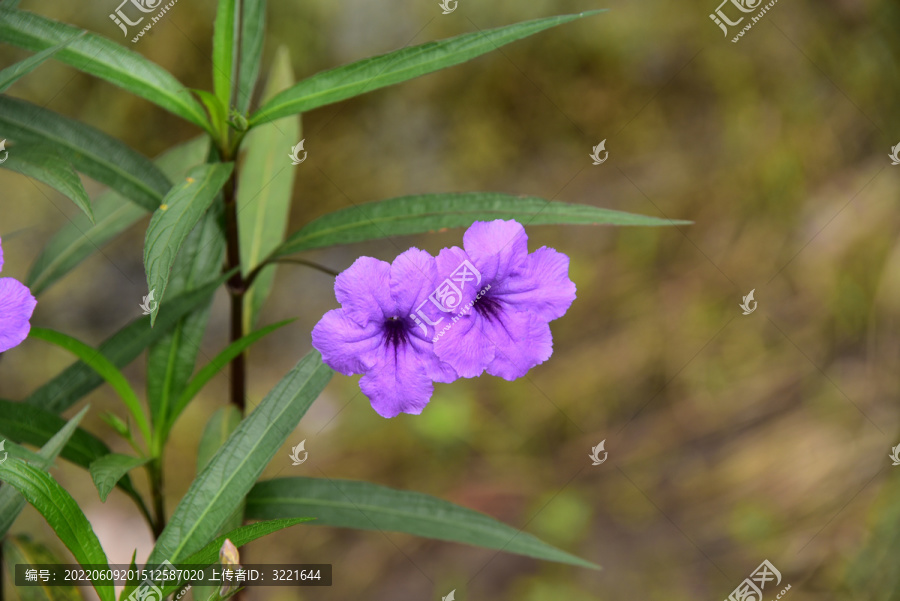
(501, 300)
(372, 333)
(16, 307)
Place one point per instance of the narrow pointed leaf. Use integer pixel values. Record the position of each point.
(94, 359)
(432, 212)
(121, 348)
(62, 514)
(219, 427)
(223, 51)
(12, 74)
(11, 502)
(253, 32)
(109, 469)
(171, 360)
(79, 239)
(264, 194)
(103, 58)
(44, 165)
(394, 67)
(170, 225)
(89, 150)
(367, 506)
(208, 371)
(222, 485)
(22, 550)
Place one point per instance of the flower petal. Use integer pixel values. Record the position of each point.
(461, 345)
(345, 345)
(363, 289)
(16, 307)
(506, 344)
(398, 382)
(1, 255)
(523, 341)
(413, 275)
(542, 286)
(497, 248)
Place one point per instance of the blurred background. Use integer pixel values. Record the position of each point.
(731, 438)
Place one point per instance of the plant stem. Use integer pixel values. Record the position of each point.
(154, 468)
(237, 288)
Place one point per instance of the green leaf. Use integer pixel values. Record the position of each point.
(62, 514)
(222, 485)
(12, 74)
(367, 506)
(432, 212)
(224, 35)
(122, 348)
(170, 225)
(209, 554)
(11, 502)
(113, 214)
(171, 360)
(22, 550)
(218, 114)
(102, 58)
(219, 427)
(217, 364)
(109, 469)
(44, 165)
(391, 68)
(253, 28)
(264, 194)
(94, 359)
(25, 423)
(89, 150)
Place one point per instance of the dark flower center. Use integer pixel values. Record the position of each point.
(489, 307)
(395, 332)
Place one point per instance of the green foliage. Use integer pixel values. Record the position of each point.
(102, 58)
(62, 514)
(224, 220)
(109, 469)
(22, 550)
(12, 74)
(170, 225)
(367, 506)
(43, 164)
(431, 212)
(89, 150)
(11, 502)
(231, 473)
(395, 67)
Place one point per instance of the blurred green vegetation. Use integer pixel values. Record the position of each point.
(731, 438)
